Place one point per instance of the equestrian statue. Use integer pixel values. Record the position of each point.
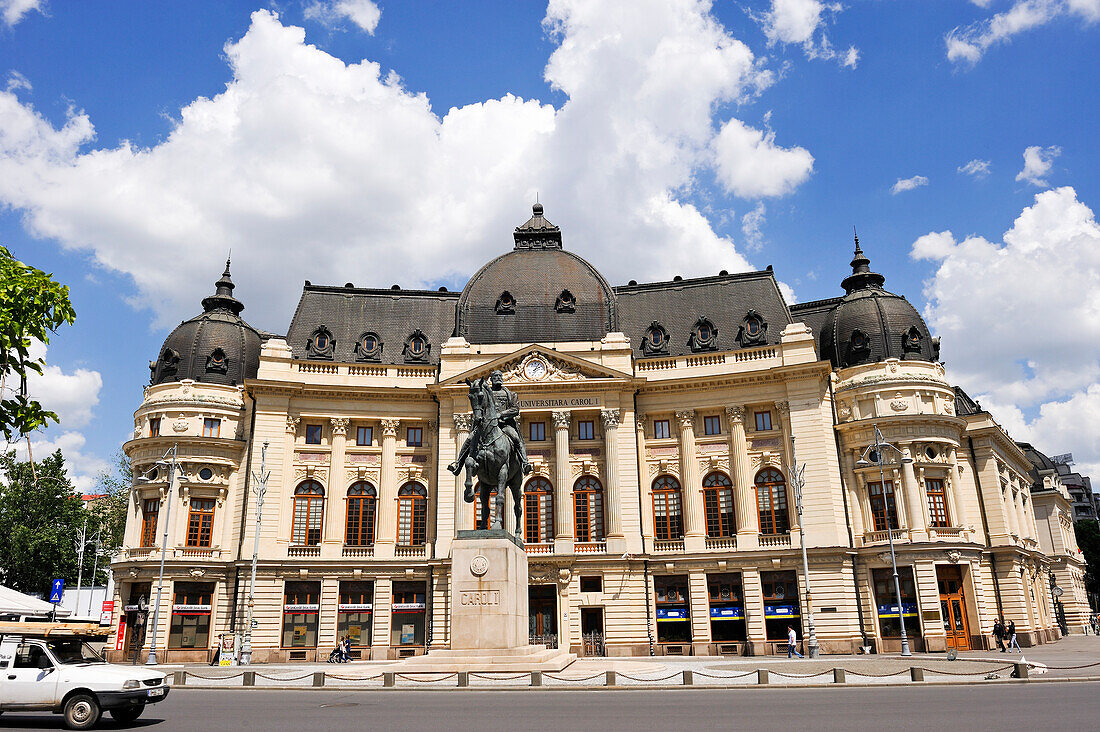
(494, 453)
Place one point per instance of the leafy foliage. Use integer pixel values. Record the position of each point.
(1088, 541)
(109, 511)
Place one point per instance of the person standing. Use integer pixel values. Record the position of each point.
(999, 634)
(792, 642)
(1011, 633)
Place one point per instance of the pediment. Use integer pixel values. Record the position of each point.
(535, 365)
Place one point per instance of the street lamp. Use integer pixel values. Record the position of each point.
(260, 488)
(863, 462)
(798, 481)
(152, 659)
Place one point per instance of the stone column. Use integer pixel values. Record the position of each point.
(918, 522)
(386, 531)
(1009, 503)
(954, 491)
(784, 411)
(337, 491)
(563, 491)
(613, 504)
(695, 529)
(855, 505)
(1021, 517)
(643, 478)
(748, 522)
(464, 512)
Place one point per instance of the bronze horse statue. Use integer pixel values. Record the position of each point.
(493, 459)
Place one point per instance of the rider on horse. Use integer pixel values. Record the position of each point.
(507, 404)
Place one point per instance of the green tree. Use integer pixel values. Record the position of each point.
(1088, 541)
(32, 305)
(41, 517)
(109, 515)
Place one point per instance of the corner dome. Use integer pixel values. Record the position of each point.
(871, 324)
(217, 347)
(536, 293)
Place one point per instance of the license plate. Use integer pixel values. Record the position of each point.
(156, 692)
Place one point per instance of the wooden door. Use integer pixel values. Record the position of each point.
(953, 608)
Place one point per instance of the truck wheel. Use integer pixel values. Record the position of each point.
(81, 711)
(128, 714)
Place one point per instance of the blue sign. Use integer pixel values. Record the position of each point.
(672, 613)
(726, 613)
(781, 611)
(891, 611)
(57, 587)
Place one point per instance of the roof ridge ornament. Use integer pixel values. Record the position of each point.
(537, 232)
(223, 299)
(862, 278)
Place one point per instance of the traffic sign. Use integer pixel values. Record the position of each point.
(57, 587)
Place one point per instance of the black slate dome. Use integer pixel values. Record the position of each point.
(870, 324)
(217, 347)
(536, 293)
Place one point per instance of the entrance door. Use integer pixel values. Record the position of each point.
(592, 630)
(543, 613)
(953, 608)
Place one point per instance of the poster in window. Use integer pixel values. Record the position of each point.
(355, 632)
(408, 634)
(188, 634)
(299, 635)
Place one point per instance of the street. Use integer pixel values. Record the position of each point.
(1049, 706)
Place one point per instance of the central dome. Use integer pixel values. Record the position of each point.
(536, 293)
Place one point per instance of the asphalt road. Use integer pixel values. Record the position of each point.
(1046, 706)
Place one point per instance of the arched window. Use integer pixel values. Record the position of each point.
(771, 501)
(309, 514)
(493, 513)
(412, 515)
(668, 515)
(588, 509)
(718, 504)
(538, 496)
(362, 501)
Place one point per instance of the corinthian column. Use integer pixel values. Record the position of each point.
(464, 512)
(748, 523)
(954, 487)
(692, 496)
(387, 491)
(918, 521)
(334, 518)
(563, 506)
(613, 507)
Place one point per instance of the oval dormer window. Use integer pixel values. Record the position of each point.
(655, 341)
(368, 347)
(417, 348)
(321, 344)
(703, 336)
(506, 304)
(566, 302)
(217, 362)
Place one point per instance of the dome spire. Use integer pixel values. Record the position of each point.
(223, 299)
(537, 232)
(862, 277)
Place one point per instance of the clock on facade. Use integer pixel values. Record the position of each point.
(535, 369)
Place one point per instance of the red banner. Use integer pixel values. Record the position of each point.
(120, 636)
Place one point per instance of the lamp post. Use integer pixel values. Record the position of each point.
(260, 488)
(878, 445)
(80, 545)
(152, 659)
(798, 480)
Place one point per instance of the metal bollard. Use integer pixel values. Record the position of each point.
(463, 679)
(536, 678)
(610, 678)
(916, 673)
(689, 677)
(1022, 671)
(319, 678)
(179, 678)
(839, 676)
(387, 678)
(249, 678)
(761, 675)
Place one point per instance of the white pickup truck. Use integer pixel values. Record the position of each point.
(66, 676)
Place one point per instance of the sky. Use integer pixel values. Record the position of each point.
(386, 143)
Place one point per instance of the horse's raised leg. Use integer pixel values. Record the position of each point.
(471, 468)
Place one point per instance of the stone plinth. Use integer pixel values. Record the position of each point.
(488, 591)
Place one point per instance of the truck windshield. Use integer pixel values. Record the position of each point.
(73, 651)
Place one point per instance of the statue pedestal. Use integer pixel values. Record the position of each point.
(489, 618)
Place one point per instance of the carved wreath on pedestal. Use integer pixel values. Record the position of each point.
(479, 565)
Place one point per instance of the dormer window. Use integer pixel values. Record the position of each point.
(911, 343)
(655, 342)
(416, 348)
(753, 330)
(169, 363)
(566, 303)
(506, 304)
(368, 347)
(859, 346)
(321, 344)
(704, 336)
(217, 362)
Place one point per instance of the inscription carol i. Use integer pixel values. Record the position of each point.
(479, 597)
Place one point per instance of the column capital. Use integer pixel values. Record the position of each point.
(610, 418)
(464, 421)
(389, 427)
(292, 421)
(562, 418)
(784, 408)
(686, 418)
(339, 425)
(736, 413)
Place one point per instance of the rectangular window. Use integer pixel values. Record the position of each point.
(200, 522)
(673, 613)
(593, 583)
(537, 431)
(886, 602)
(414, 437)
(154, 426)
(661, 429)
(781, 605)
(353, 616)
(211, 427)
(883, 505)
(727, 609)
(301, 605)
(190, 626)
(937, 503)
(150, 510)
(407, 620)
(313, 434)
(712, 425)
(763, 421)
(364, 436)
(586, 430)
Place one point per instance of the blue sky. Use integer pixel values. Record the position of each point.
(375, 142)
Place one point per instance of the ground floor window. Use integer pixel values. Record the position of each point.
(301, 602)
(886, 602)
(727, 607)
(407, 627)
(190, 626)
(353, 616)
(781, 605)
(673, 611)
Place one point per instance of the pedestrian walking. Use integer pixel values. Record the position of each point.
(792, 642)
(999, 634)
(1011, 633)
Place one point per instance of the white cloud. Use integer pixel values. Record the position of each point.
(362, 13)
(751, 224)
(83, 469)
(969, 44)
(799, 22)
(308, 167)
(975, 168)
(1037, 163)
(17, 81)
(1020, 321)
(908, 184)
(749, 164)
(12, 11)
